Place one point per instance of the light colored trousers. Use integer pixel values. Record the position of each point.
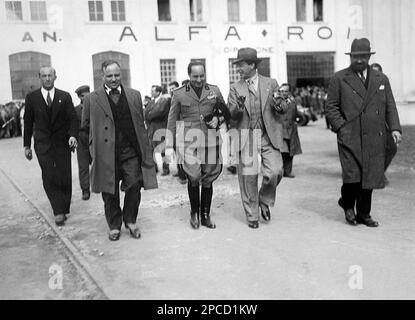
(271, 167)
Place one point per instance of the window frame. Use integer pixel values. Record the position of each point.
(118, 13)
(95, 13)
(11, 12)
(236, 14)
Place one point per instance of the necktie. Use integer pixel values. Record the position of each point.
(115, 95)
(48, 100)
(251, 86)
(362, 76)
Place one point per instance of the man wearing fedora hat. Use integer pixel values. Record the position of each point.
(362, 111)
(259, 130)
(82, 152)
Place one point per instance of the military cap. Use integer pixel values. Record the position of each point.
(82, 89)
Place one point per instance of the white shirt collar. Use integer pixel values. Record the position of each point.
(107, 89)
(364, 73)
(45, 93)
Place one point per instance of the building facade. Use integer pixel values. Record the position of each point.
(300, 41)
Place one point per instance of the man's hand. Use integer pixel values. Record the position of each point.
(213, 124)
(397, 137)
(72, 143)
(28, 153)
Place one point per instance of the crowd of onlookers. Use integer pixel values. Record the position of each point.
(11, 115)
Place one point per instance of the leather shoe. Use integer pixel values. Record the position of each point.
(134, 230)
(253, 224)
(60, 219)
(349, 214)
(194, 220)
(368, 221)
(86, 194)
(266, 215)
(231, 169)
(114, 235)
(350, 217)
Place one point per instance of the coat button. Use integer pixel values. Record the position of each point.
(106, 128)
(106, 140)
(381, 133)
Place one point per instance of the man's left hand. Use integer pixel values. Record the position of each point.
(72, 143)
(397, 137)
(213, 123)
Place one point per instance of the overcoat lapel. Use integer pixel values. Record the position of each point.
(103, 102)
(264, 91)
(355, 83)
(374, 83)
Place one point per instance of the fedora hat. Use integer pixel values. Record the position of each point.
(246, 54)
(360, 46)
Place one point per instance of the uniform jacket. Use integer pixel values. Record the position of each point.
(83, 135)
(50, 129)
(361, 137)
(189, 110)
(272, 120)
(156, 115)
(290, 131)
(98, 120)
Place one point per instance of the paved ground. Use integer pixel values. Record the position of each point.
(305, 252)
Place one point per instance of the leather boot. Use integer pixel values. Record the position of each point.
(193, 192)
(206, 200)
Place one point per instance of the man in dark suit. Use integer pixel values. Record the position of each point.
(361, 109)
(260, 131)
(156, 114)
(119, 148)
(82, 152)
(292, 144)
(50, 117)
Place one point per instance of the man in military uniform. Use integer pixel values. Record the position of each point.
(197, 140)
(82, 152)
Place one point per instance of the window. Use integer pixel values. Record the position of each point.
(122, 58)
(318, 10)
(164, 10)
(234, 76)
(118, 10)
(314, 68)
(167, 71)
(96, 12)
(261, 10)
(38, 10)
(196, 10)
(233, 10)
(14, 10)
(24, 72)
(301, 10)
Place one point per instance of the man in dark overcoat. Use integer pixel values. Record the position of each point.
(82, 151)
(361, 109)
(156, 115)
(50, 117)
(119, 148)
(292, 144)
